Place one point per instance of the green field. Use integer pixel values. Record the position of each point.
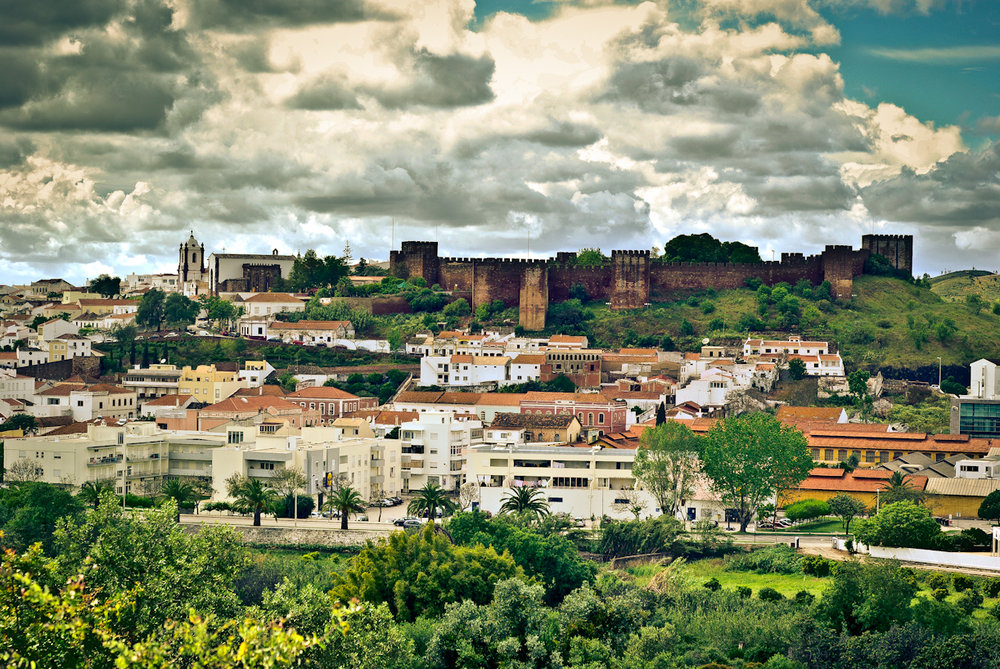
(700, 571)
(954, 286)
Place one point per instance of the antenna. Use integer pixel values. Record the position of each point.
(393, 246)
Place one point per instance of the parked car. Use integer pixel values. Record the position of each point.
(400, 522)
(315, 514)
(411, 522)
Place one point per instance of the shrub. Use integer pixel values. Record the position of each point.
(969, 601)
(935, 580)
(769, 595)
(713, 584)
(743, 592)
(692, 301)
(940, 594)
(686, 328)
(707, 307)
(777, 559)
(815, 565)
(995, 611)
(992, 587)
(804, 598)
(962, 583)
(807, 509)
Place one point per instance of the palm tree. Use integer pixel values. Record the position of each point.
(525, 500)
(429, 499)
(182, 493)
(252, 495)
(347, 501)
(899, 488)
(92, 491)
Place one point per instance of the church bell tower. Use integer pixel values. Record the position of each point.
(191, 264)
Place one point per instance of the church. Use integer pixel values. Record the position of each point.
(228, 272)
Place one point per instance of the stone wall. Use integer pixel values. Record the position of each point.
(291, 536)
(632, 279)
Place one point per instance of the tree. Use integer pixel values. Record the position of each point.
(287, 483)
(752, 457)
(91, 492)
(666, 464)
(150, 312)
(180, 310)
(124, 334)
(661, 413)
(630, 501)
(530, 501)
(345, 500)
(459, 308)
(218, 309)
(989, 509)
(252, 495)
(30, 511)
(23, 470)
(590, 258)
(182, 493)
(797, 368)
(846, 508)
(953, 387)
(429, 499)
(899, 488)
(105, 286)
(857, 383)
(468, 494)
(25, 422)
(418, 573)
(900, 524)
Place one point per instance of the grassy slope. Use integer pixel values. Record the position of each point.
(879, 310)
(701, 571)
(956, 285)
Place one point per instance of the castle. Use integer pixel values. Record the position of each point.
(633, 278)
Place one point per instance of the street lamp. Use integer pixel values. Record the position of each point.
(939, 372)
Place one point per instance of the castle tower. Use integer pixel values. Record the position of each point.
(897, 249)
(631, 286)
(191, 261)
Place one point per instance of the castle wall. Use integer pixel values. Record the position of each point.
(897, 249)
(534, 297)
(631, 287)
(632, 279)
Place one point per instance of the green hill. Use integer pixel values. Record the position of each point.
(954, 286)
(888, 323)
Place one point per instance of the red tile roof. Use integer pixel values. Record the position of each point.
(309, 325)
(322, 392)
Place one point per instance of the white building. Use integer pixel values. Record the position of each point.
(13, 386)
(985, 380)
(978, 468)
(526, 367)
(464, 370)
(269, 304)
(311, 333)
(435, 448)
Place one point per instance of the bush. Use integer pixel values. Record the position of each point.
(995, 611)
(777, 559)
(686, 328)
(992, 587)
(769, 595)
(940, 594)
(804, 598)
(962, 583)
(816, 565)
(969, 601)
(707, 307)
(807, 509)
(713, 584)
(935, 580)
(743, 592)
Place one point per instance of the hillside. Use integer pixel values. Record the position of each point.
(889, 323)
(954, 286)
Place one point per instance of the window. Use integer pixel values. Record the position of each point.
(600, 418)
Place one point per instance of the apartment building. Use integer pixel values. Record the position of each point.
(208, 383)
(86, 402)
(596, 413)
(153, 381)
(68, 346)
(434, 449)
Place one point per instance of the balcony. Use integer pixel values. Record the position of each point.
(106, 460)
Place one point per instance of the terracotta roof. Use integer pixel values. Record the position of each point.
(566, 339)
(501, 399)
(377, 417)
(89, 302)
(830, 414)
(461, 358)
(273, 297)
(64, 430)
(419, 396)
(582, 398)
(459, 398)
(531, 421)
(8, 355)
(631, 394)
(309, 325)
(62, 390)
(638, 351)
(266, 389)
(529, 359)
(322, 392)
(860, 480)
(253, 403)
(168, 401)
(108, 388)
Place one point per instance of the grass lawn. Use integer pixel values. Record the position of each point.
(824, 525)
(701, 571)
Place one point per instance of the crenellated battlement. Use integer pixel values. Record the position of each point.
(633, 275)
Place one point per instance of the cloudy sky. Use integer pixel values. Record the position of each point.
(503, 127)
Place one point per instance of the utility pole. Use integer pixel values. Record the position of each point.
(939, 372)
